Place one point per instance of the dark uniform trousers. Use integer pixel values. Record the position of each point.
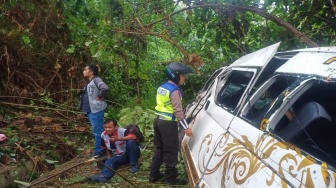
(166, 149)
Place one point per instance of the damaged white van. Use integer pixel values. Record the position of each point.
(267, 120)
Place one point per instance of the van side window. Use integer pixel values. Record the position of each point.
(259, 109)
(230, 94)
(313, 127)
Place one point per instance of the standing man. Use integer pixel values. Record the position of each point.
(93, 103)
(122, 143)
(169, 113)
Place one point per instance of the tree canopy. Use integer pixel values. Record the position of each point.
(45, 45)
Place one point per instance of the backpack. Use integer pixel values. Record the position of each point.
(134, 129)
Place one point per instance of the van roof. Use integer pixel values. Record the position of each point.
(311, 61)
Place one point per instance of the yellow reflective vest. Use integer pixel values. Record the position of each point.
(164, 106)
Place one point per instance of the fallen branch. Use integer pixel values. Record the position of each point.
(62, 170)
(45, 108)
(117, 173)
(264, 14)
(30, 156)
(58, 171)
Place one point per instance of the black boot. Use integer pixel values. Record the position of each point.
(156, 178)
(177, 182)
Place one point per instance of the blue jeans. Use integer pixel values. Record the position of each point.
(97, 122)
(131, 156)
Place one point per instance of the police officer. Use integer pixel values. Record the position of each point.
(169, 113)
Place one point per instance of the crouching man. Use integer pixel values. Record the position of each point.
(123, 145)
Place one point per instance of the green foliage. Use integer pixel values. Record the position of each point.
(139, 116)
(120, 37)
(26, 39)
(51, 161)
(7, 148)
(219, 37)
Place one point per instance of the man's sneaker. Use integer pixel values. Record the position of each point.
(99, 155)
(156, 178)
(96, 156)
(177, 182)
(97, 178)
(135, 168)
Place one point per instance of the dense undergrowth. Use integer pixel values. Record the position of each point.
(49, 140)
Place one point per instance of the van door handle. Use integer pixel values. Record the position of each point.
(207, 105)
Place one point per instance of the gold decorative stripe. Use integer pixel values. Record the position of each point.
(190, 167)
(329, 61)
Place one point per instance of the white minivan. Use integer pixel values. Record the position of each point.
(267, 120)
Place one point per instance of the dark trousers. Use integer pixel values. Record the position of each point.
(131, 156)
(166, 149)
